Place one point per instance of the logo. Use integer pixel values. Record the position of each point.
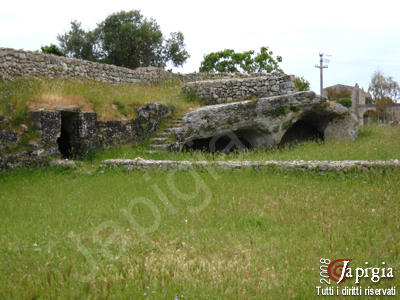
(336, 270)
(341, 270)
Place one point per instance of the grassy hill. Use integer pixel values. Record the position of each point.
(109, 101)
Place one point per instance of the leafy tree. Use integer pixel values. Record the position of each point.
(174, 49)
(229, 61)
(52, 49)
(302, 84)
(80, 44)
(384, 89)
(125, 39)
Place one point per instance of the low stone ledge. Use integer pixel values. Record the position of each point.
(63, 163)
(337, 166)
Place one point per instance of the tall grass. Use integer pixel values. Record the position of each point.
(374, 142)
(109, 101)
(260, 235)
(206, 234)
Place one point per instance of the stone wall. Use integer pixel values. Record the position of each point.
(149, 117)
(20, 63)
(71, 132)
(231, 89)
(195, 76)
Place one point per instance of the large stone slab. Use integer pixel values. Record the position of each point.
(267, 121)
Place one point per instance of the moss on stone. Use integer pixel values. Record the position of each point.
(287, 124)
(207, 128)
(277, 112)
(252, 104)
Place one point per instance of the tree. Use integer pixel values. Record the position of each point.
(125, 39)
(302, 84)
(229, 61)
(52, 49)
(384, 89)
(80, 44)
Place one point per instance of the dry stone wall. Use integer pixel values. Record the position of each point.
(232, 89)
(19, 63)
(71, 132)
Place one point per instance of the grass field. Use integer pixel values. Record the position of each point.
(83, 234)
(375, 142)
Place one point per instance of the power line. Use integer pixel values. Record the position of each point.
(321, 66)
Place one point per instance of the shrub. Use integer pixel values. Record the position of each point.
(52, 49)
(302, 84)
(345, 102)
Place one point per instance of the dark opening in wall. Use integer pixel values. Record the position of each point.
(69, 133)
(223, 143)
(307, 129)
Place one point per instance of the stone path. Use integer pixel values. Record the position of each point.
(142, 164)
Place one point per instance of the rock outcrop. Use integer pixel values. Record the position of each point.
(267, 121)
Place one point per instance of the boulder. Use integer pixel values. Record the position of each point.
(266, 121)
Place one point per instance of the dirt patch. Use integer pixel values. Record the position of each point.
(49, 101)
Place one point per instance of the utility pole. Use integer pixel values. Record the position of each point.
(321, 67)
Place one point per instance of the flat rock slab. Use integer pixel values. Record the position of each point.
(63, 163)
(143, 164)
(268, 121)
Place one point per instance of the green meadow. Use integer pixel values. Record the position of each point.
(86, 233)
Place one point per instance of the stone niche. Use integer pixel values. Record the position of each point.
(71, 132)
(68, 131)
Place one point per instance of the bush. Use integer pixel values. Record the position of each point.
(52, 49)
(345, 102)
(302, 84)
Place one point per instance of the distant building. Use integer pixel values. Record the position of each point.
(355, 91)
(362, 104)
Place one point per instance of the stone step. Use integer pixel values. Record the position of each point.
(160, 147)
(163, 135)
(170, 129)
(175, 125)
(158, 139)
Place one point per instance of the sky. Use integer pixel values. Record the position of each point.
(361, 36)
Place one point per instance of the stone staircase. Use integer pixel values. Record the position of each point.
(162, 141)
